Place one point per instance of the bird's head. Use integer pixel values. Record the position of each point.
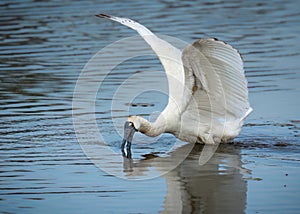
(135, 120)
(135, 124)
(140, 124)
(130, 127)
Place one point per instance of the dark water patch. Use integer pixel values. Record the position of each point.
(140, 104)
(61, 192)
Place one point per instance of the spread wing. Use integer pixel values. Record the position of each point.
(169, 56)
(214, 76)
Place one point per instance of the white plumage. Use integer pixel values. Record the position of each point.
(208, 95)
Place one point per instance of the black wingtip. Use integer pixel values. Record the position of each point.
(101, 15)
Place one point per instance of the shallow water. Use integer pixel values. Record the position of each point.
(45, 45)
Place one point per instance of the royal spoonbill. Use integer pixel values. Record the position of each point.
(208, 94)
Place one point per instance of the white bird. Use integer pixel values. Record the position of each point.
(208, 95)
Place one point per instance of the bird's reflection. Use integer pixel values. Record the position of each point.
(215, 187)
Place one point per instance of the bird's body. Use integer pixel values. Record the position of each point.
(208, 95)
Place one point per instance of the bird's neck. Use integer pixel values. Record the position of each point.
(151, 129)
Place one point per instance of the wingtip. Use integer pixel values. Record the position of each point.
(102, 15)
(247, 113)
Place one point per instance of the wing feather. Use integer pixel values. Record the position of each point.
(169, 56)
(218, 71)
